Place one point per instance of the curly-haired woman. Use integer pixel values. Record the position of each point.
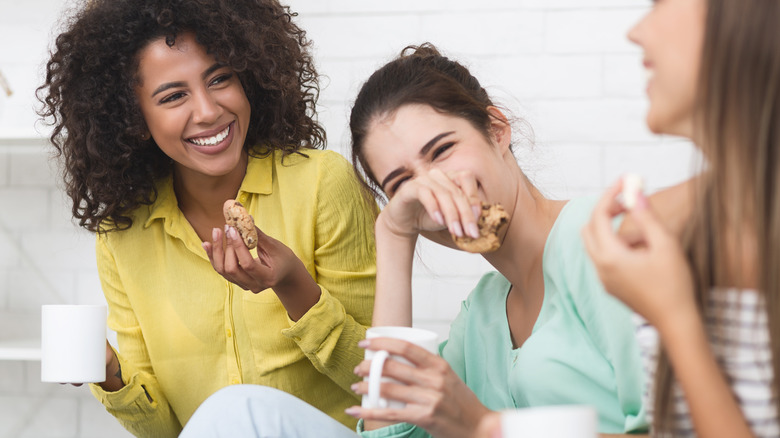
(162, 110)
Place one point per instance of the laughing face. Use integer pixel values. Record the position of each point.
(195, 109)
(415, 139)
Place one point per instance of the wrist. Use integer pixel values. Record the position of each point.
(480, 416)
(295, 280)
(386, 228)
(114, 381)
(113, 368)
(680, 323)
(298, 291)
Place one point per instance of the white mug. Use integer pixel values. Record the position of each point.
(423, 338)
(73, 343)
(564, 421)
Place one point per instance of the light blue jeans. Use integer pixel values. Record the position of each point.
(255, 411)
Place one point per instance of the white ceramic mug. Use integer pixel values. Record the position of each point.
(424, 338)
(73, 343)
(565, 421)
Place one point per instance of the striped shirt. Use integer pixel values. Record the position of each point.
(739, 337)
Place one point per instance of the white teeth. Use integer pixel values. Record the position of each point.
(649, 74)
(211, 141)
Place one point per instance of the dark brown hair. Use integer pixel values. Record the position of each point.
(737, 125)
(420, 75)
(88, 95)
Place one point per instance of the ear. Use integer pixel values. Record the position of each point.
(500, 128)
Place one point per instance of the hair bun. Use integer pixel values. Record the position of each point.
(424, 50)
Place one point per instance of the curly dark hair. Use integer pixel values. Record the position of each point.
(88, 97)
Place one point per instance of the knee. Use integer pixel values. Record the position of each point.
(236, 394)
(235, 397)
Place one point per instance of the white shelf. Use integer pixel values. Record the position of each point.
(20, 349)
(23, 136)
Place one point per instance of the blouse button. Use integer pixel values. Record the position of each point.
(229, 333)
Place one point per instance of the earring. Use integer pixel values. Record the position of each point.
(146, 136)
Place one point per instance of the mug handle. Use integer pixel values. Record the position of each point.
(375, 380)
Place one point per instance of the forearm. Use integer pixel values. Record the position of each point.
(701, 379)
(393, 299)
(298, 292)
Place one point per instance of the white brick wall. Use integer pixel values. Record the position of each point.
(563, 65)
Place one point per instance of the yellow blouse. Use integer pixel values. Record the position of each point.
(184, 331)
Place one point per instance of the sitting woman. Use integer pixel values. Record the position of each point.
(540, 331)
(162, 111)
(708, 292)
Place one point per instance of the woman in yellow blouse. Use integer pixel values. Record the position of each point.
(161, 112)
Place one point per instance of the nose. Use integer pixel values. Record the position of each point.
(206, 108)
(635, 33)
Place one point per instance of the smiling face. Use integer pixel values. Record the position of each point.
(415, 139)
(195, 109)
(671, 36)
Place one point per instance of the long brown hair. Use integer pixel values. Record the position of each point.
(733, 238)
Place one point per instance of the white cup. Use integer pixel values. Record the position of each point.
(73, 343)
(423, 338)
(565, 421)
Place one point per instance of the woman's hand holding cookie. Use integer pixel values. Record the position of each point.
(235, 262)
(275, 267)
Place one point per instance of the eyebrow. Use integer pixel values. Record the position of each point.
(169, 85)
(423, 151)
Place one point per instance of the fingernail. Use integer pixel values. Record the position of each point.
(354, 411)
(438, 218)
(477, 209)
(215, 234)
(456, 229)
(355, 371)
(363, 343)
(204, 245)
(473, 230)
(232, 233)
(354, 387)
(641, 201)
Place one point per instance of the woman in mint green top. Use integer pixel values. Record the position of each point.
(426, 136)
(540, 331)
(579, 352)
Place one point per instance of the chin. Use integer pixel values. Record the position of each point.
(656, 124)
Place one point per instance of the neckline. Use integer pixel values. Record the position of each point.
(508, 331)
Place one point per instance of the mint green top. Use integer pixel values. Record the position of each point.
(582, 348)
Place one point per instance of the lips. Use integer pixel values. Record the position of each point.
(214, 141)
(649, 72)
(211, 140)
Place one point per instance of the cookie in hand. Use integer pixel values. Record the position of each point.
(237, 217)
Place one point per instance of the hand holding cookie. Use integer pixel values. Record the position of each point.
(235, 262)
